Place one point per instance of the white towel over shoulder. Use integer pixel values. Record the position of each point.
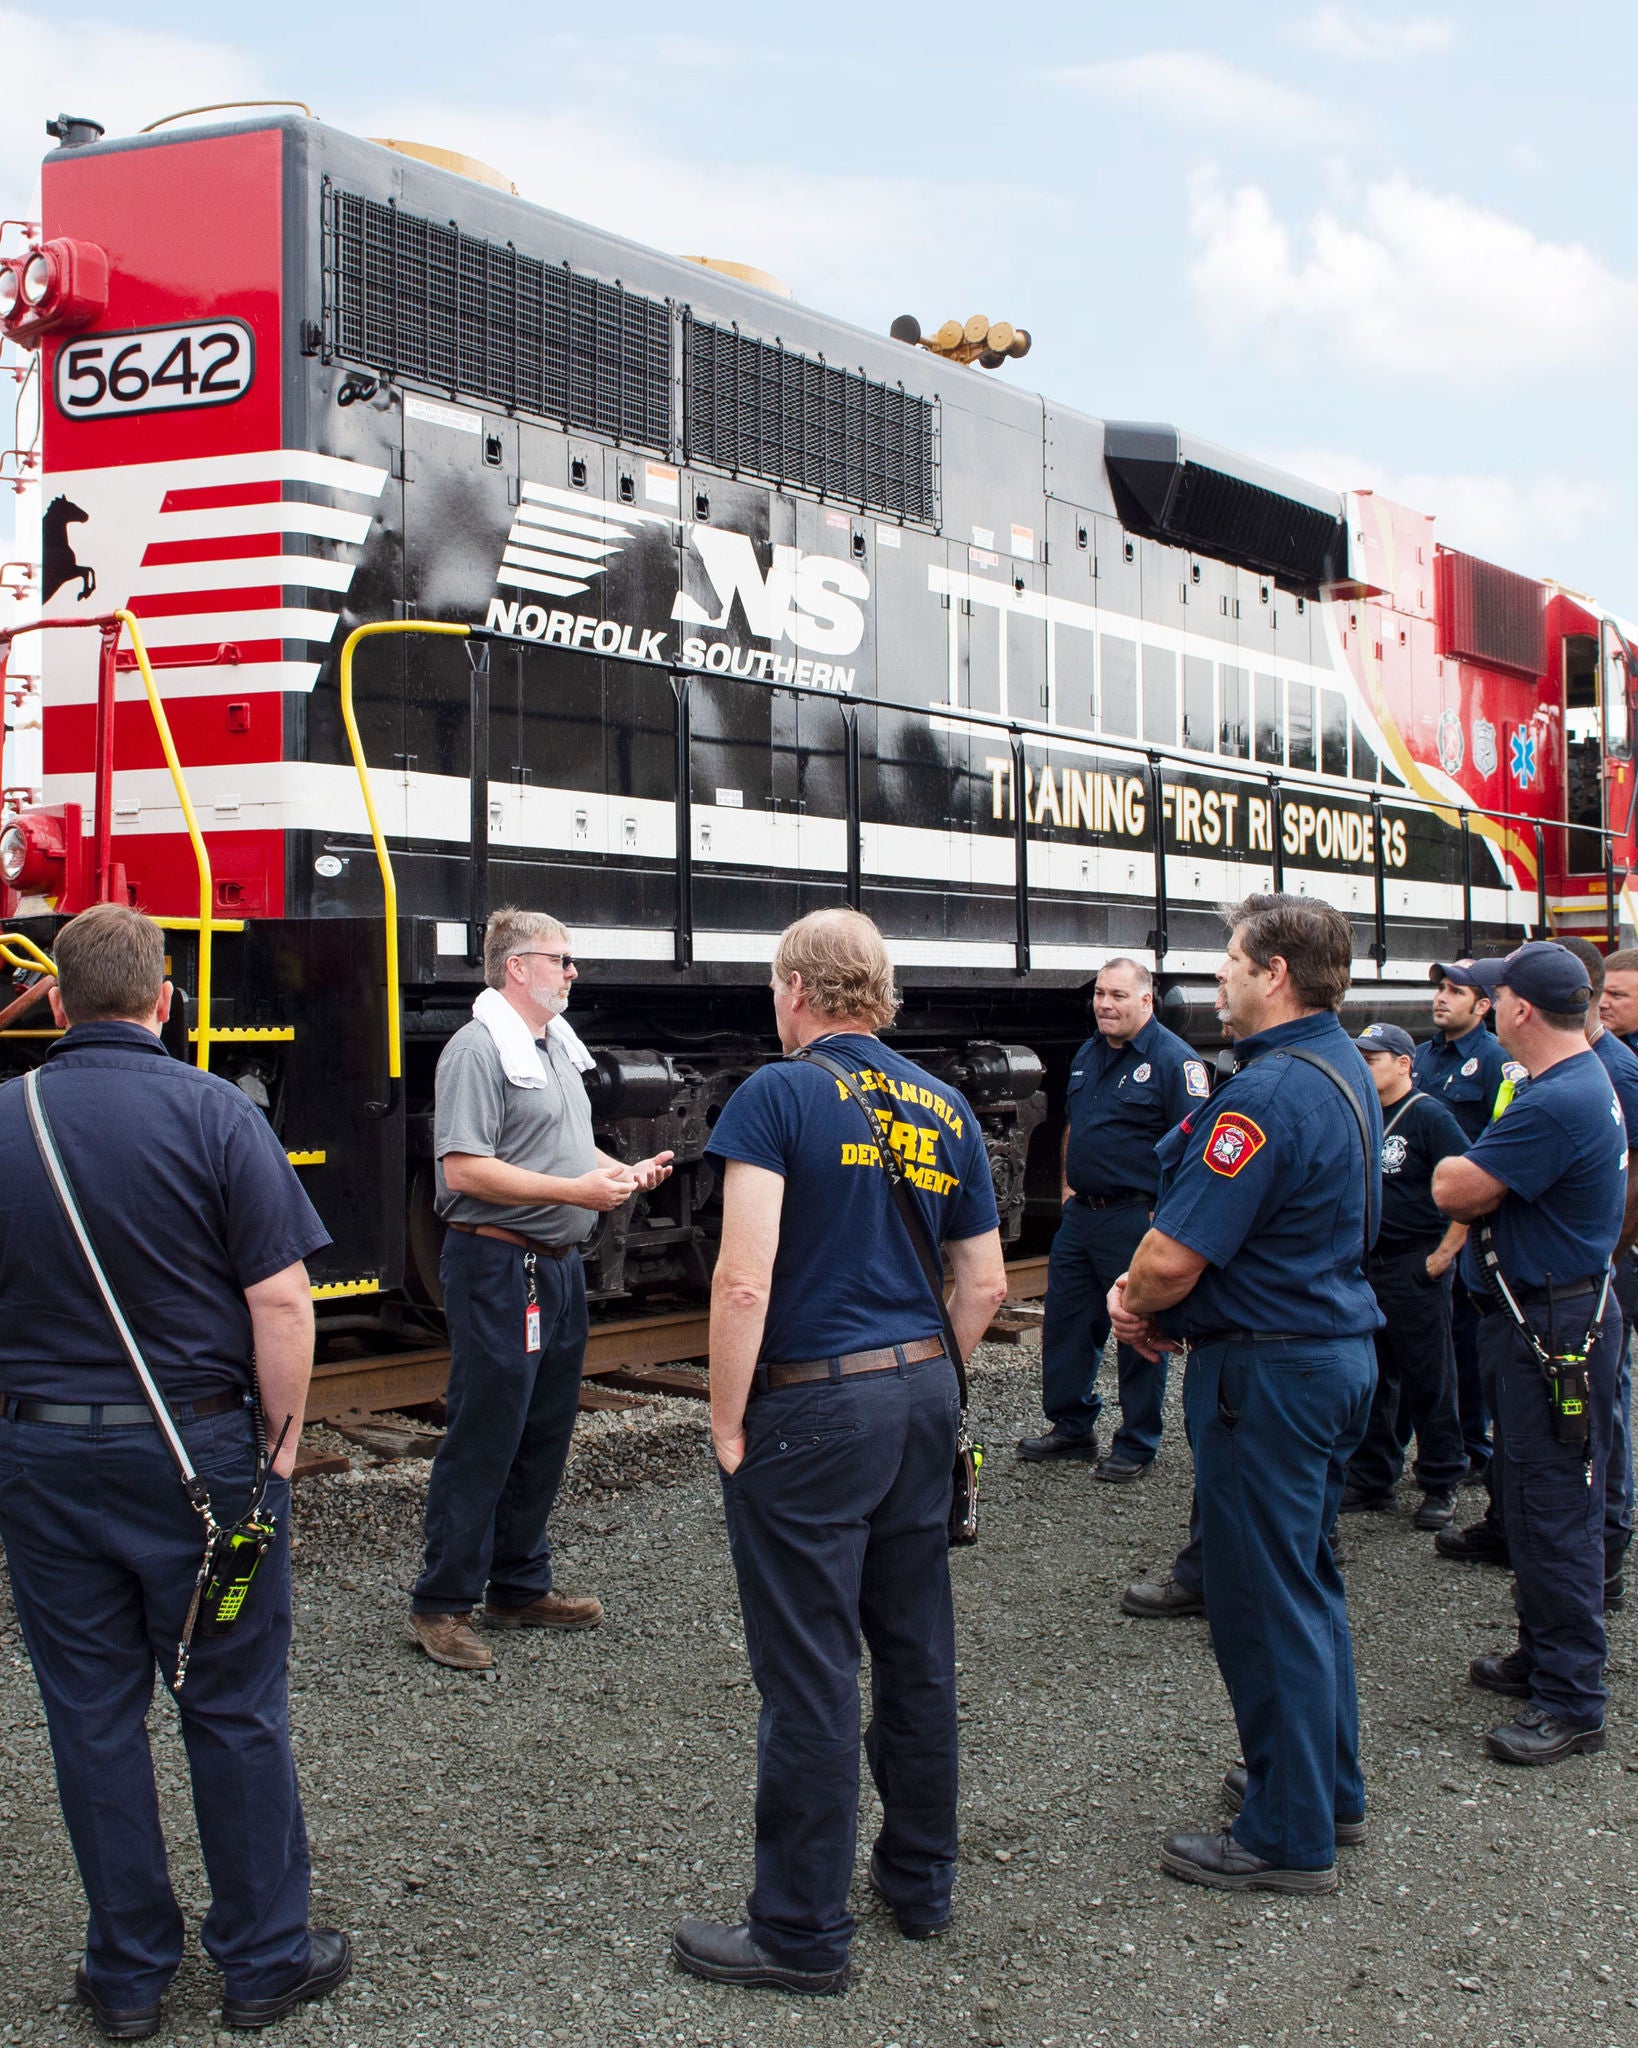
(519, 1054)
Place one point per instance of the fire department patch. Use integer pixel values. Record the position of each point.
(1234, 1140)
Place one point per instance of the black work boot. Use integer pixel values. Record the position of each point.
(1481, 1542)
(1060, 1443)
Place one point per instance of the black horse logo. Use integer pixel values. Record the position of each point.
(58, 563)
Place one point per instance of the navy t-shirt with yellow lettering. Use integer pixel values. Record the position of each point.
(846, 1277)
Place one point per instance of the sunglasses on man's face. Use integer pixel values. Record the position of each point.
(564, 960)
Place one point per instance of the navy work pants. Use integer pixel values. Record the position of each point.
(511, 1415)
(1090, 1251)
(1470, 1397)
(104, 1550)
(1550, 1501)
(1416, 1362)
(838, 1521)
(1273, 1427)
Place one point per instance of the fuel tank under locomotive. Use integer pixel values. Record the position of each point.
(644, 1101)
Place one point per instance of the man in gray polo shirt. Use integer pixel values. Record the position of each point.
(520, 1184)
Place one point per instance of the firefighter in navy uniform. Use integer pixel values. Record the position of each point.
(1545, 1188)
(1461, 1066)
(1255, 1259)
(1621, 1064)
(1411, 1277)
(834, 1411)
(1128, 1085)
(203, 1230)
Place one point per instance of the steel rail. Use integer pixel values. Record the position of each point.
(406, 1379)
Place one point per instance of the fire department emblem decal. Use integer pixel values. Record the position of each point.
(1452, 748)
(1142, 1073)
(1234, 1140)
(1393, 1153)
(1484, 746)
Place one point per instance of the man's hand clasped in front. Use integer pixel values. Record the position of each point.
(1141, 1332)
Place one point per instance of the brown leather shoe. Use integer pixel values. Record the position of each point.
(451, 1639)
(551, 1610)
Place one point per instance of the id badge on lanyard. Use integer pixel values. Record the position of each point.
(531, 1311)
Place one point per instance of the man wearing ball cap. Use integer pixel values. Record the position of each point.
(1545, 1189)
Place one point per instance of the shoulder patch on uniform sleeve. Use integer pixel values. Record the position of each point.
(1195, 1078)
(1513, 1071)
(1234, 1140)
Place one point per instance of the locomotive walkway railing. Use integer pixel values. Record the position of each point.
(1154, 762)
(111, 625)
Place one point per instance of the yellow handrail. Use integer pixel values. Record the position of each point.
(383, 859)
(33, 960)
(201, 852)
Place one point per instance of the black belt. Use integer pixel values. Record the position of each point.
(1197, 1338)
(888, 1358)
(1487, 1304)
(1129, 1200)
(112, 1414)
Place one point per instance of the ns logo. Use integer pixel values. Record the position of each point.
(813, 601)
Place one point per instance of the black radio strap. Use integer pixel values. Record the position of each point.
(904, 1199)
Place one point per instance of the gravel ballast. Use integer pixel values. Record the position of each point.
(510, 1851)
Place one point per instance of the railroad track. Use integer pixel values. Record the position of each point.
(632, 1354)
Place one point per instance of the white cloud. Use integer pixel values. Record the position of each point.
(1517, 521)
(123, 77)
(1196, 90)
(1343, 32)
(1421, 284)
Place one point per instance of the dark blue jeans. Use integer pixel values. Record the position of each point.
(838, 1521)
(1416, 1363)
(1090, 1251)
(1273, 1427)
(1550, 1501)
(511, 1415)
(104, 1549)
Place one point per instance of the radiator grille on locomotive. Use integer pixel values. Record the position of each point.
(760, 408)
(1491, 615)
(420, 299)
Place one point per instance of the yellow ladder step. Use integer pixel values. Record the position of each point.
(333, 1290)
(305, 1158)
(242, 1034)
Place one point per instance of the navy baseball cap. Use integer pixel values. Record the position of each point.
(1462, 974)
(1387, 1038)
(1546, 974)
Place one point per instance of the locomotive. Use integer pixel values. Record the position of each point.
(760, 612)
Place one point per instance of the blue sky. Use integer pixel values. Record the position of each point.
(1386, 248)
